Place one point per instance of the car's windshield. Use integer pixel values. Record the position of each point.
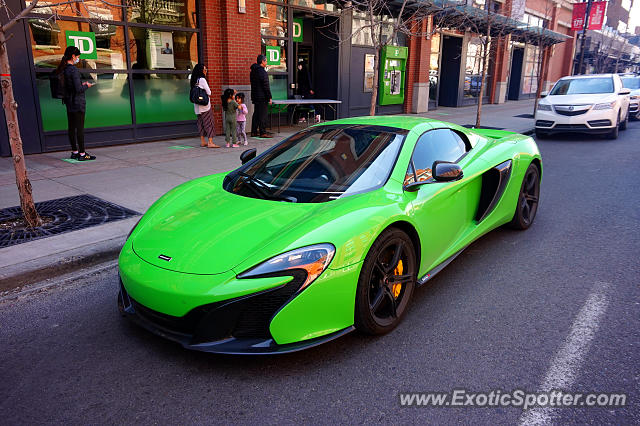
(632, 83)
(320, 164)
(583, 86)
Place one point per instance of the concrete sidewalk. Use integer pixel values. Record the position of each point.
(136, 175)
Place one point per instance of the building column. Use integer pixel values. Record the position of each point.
(417, 81)
(230, 44)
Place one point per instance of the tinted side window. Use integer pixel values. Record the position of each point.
(436, 145)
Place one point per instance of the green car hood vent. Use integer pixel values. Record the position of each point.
(215, 233)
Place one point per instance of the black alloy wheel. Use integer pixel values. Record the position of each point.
(528, 199)
(386, 283)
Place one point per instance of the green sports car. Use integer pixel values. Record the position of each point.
(328, 231)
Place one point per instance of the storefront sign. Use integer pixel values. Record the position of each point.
(297, 30)
(273, 55)
(160, 49)
(596, 15)
(84, 41)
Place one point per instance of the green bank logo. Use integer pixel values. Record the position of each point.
(297, 30)
(85, 41)
(273, 55)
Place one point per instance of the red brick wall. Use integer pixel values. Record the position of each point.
(231, 43)
(417, 62)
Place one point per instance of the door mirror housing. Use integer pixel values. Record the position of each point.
(445, 171)
(624, 91)
(248, 155)
(544, 94)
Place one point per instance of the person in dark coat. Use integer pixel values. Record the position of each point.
(260, 96)
(75, 102)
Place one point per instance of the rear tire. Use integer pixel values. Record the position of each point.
(528, 198)
(386, 283)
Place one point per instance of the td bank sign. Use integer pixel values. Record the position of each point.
(84, 41)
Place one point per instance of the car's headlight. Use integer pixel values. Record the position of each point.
(313, 260)
(607, 105)
(544, 107)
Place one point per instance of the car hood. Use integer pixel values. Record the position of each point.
(207, 230)
(580, 99)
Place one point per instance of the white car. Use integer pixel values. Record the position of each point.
(632, 82)
(595, 103)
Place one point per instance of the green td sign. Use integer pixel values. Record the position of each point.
(84, 41)
(273, 55)
(297, 30)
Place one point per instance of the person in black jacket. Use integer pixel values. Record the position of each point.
(260, 96)
(75, 102)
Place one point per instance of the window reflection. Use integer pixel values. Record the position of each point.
(177, 13)
(153, 49)
(273, 20)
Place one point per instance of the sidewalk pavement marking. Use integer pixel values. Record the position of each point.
(180, 147)
(69, 160)
(565, 366)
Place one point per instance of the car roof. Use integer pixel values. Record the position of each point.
(406, 122)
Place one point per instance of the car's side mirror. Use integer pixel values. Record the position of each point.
(248, 155)
(544, 94)
(445, 171)
(624, 91)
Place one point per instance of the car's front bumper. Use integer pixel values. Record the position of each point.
(225, 314)
(634, 111)
(592, 121)
(161, 325)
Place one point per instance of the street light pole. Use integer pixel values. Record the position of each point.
(581, 67)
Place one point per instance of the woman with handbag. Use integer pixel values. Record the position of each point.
(203, 110)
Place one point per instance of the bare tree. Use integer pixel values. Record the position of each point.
(31, 217)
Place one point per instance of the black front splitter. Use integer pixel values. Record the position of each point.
(231, 345)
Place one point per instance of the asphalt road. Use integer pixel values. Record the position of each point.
(557, 306)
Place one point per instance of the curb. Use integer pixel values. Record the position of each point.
(52, 266)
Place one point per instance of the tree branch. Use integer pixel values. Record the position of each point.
(6, 27)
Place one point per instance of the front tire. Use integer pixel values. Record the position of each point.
(623, 125)
(386, 283)
(528, 198)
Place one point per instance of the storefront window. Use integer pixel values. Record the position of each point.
(48, 43)
(473, 68)
(531, 69)
(361, 29)
(92, 9)
(434, 70)
(175, 13)
(152, 49)
(162, 98)
(280, 63)
(108, 102)
(316, 4)
(273, 20)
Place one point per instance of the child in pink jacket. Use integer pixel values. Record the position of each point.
(241, 119)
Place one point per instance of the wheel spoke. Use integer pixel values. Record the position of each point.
(380, 267)
(526, 211)
(396, 257)
(401, 278)
(531, 198)
(392, 303)
(377, 300)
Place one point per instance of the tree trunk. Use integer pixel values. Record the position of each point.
(10, 106)
(485, 62)
(376, 73)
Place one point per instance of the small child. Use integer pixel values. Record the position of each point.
(241, 119)
(230, 106)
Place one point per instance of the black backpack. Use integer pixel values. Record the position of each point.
(57, 84)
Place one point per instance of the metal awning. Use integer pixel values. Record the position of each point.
(460, 15)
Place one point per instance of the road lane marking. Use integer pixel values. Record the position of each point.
(566, 365)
